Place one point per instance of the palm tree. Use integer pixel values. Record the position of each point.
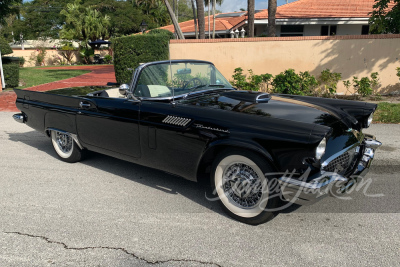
(250, 16)
(174, 20)
(219, 2)
(271, 18)
(200, 17)
(194, 19)
(215, 2)
(209, 25)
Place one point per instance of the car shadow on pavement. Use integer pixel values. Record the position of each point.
(162, 181)
(171, 184)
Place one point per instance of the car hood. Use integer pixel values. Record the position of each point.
(275, 107)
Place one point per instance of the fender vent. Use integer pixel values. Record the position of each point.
(179, 121)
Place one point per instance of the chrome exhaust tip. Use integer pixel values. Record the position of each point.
(19, 118)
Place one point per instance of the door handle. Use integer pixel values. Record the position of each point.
(84, 105)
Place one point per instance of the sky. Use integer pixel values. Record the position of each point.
(236, 5)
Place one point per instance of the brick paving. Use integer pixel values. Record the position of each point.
(100, 75)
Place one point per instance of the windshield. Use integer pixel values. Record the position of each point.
(159, 80)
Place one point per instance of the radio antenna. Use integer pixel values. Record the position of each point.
(172, 81)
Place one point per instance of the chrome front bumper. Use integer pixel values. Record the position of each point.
(324, 183)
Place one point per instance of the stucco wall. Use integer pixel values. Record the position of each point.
(52, 56)
(349, 55)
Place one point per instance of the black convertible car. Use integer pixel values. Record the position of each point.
(183, 117)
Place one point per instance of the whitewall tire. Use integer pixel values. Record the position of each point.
(239, 182)
(66, 148)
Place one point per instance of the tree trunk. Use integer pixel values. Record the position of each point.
(271, 18)
(250, 16)
(214, 3)
(195, 20)
(174, 21)
(200, 18)
(209, 25)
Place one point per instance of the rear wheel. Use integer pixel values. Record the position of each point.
(243, 190)
(65, 147)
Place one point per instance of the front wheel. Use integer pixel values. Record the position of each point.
(65, 147)
(238, 179)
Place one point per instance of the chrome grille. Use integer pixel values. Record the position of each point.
(339, 164)
(178, 121)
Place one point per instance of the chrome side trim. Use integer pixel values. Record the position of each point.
(19, 117)
(179, 121)
(74, 136)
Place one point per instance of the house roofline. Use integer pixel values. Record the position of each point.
(316, 21)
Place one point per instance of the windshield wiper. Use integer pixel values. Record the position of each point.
(203, 85)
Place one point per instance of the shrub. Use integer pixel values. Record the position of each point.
(5, 47)
(21, 61)
(130, 51)
(11, 75)
(366, 86)
(289, 82)
(107, 59)
(362, 86)
(328, 81)
(86, 54)
(162, 31)
(67, 51)
(398, 72)
(253, 82)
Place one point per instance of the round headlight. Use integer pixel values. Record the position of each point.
(370, 119)
(320, 151)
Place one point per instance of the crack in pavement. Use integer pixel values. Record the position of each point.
(48, 240)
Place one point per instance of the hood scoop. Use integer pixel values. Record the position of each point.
(248, 96)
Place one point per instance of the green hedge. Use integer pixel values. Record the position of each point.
(162, 31)
(5, 47)
(11, 75)
(130, 51)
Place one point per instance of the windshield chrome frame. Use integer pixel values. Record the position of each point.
(139, 69)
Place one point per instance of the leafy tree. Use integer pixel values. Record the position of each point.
(41, 19)
(8, 7)
(385, 18)
(155, 10)
(124, 17)
(84, 23)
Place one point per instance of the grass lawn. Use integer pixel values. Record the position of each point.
(35, 76)
(387, 113)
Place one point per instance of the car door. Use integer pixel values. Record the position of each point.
(110, 126)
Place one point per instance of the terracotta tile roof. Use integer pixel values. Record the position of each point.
(221, 24)
(301, 9)
(322, 9)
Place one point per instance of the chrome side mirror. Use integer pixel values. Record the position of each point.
(123, 89)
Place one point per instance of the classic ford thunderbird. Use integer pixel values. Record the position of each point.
(183, 117)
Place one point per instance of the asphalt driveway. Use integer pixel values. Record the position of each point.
(107, 212)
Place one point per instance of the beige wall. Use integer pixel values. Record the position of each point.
(50, 59)
(348, 55)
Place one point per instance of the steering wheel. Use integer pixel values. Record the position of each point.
(196, 82)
